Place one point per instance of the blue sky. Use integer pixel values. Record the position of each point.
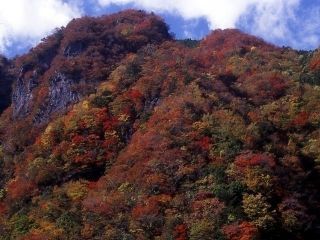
(181, 28)
(294, 23)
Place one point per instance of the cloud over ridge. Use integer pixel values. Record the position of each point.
(277, 21)
(31, 20)
(270, 19)
(220, 14)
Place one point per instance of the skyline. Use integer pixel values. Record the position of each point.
(292, 23)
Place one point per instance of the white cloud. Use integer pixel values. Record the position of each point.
(310, 29)
(220, 14)
(278, 21)
(270, 19)
(31, 20)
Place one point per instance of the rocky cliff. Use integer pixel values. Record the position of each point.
(69, 64)
(6, 80)
(118, 131)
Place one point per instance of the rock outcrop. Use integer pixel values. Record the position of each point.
(6, 80)
(78, 57)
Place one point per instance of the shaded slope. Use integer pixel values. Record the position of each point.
(69, 64)
(6, 80)
(219, 141)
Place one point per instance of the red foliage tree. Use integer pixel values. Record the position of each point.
(180, 232)
(315, 61)
(241, 231)
(301, 119)
(263, 87)
(204, 143)
(249, 159)
(20, 188)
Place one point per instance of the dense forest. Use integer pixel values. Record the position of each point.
(112, 129)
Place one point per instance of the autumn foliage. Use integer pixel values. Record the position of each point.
(130, 134)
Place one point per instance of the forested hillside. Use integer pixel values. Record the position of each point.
(116, 131)
(6, 80)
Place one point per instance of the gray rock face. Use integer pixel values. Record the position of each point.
(74, 49)
(6, 80)
(22, 94)
(70, 63)
(60, 97)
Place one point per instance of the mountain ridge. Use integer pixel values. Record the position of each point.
(146, 137)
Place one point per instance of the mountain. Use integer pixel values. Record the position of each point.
(6, 80)
(115, 130)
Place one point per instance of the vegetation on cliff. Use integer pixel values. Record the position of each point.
(118, 131)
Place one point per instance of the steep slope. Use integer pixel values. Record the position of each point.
(81, 54)
(6, 80)
(216, 141)
(70, 63)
